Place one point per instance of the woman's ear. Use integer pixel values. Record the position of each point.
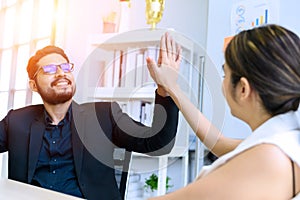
(32, 85)
(245, 88)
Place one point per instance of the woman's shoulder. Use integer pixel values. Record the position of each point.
(264, 165)
(265, 153)
(260, 172)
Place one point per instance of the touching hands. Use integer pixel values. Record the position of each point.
(165, 71)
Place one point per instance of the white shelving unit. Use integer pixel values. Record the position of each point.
(110, 51)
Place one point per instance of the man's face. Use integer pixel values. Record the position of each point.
(54, 88)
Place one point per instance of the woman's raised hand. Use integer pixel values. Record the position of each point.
(165, 71)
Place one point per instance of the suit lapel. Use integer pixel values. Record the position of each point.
(35, 143)
(77, 127)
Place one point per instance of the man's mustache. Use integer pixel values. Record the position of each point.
(59, 80)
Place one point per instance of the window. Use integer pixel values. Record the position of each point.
(26, 25)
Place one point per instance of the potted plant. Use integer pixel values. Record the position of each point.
(152, 182)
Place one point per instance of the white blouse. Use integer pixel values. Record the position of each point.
(282, 130)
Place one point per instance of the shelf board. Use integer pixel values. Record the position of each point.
(136, 39)
(123, 93)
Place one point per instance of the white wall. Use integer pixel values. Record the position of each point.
(289, 15)
(187, 17)
(85, 18)
(219, 27)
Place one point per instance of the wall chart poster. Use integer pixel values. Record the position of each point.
(248, 14)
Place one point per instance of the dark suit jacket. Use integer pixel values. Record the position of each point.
(96, 129)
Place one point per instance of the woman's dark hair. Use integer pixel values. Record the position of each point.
(269, 57)
(32, 63)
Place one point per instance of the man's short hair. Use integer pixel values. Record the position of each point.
(32, 63)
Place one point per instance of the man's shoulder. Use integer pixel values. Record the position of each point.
(89, 106)
(28, 109)
(26, 112)
(92, 104)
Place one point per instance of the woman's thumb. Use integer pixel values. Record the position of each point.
(151, 64)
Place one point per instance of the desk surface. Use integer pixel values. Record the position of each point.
(13, 190)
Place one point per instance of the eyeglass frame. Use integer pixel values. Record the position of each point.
(49, 73)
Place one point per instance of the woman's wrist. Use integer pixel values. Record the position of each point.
(162, 92)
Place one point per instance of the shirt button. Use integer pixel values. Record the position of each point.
(53, 142)
(54, 160)
(51, 186)
(53, 172)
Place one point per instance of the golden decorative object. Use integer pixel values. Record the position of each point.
(154, 11)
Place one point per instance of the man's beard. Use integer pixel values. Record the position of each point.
(52, 97)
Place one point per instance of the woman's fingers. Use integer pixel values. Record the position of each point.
(178, 55)
(165, 71)
(169, 45)
(151, 65)
(174, 49)
(163, 50)
(170, 51)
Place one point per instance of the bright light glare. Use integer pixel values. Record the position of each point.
(9, 27)
(26, 21)
(5, 70)
(21, 73)
(45, 17)
(4, 102)
(19, 99)
(10, 2)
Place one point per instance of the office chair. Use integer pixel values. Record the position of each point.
(4, 165)
(122, 160)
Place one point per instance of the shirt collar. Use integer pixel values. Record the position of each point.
(276, 125)
(67, 118)
(279, 123)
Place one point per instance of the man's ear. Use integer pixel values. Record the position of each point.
(245, 88)
(32, 85)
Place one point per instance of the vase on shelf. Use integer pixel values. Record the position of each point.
(109, 23)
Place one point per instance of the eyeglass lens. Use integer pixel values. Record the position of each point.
(51, 69)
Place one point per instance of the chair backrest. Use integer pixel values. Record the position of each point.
(122, 160)
(4, 165)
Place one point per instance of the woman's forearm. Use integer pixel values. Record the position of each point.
(211, 137)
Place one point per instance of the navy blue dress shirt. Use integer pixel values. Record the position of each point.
(55, 168)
